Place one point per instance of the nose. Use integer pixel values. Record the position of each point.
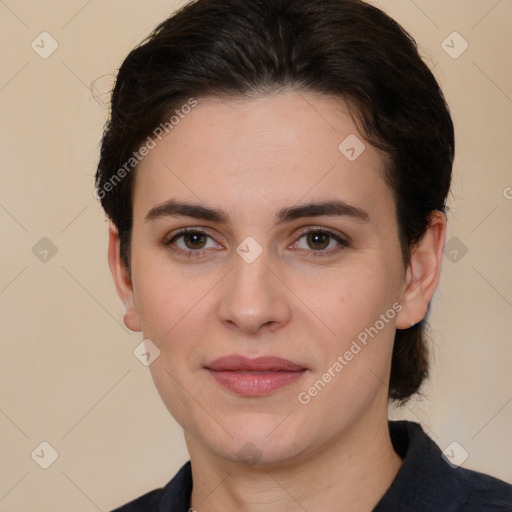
(254, 298)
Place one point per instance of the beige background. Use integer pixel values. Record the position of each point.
(68, 374)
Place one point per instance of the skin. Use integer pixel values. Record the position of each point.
(251, 158)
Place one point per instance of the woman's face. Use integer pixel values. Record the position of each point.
(251, 283)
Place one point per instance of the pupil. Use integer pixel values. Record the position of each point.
(316, 238)
(195, 238)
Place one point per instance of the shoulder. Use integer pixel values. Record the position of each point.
(175, 496)
(148, 503)
(429, 482)
(484, 492)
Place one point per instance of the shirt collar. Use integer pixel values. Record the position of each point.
(424, 482)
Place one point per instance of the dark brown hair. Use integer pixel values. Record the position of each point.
(241, 48)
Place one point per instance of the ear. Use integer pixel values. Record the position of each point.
(423, 272)
(122, 279)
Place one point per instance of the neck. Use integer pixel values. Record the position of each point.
(352, 472)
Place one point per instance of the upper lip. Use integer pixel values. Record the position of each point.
(264, 363)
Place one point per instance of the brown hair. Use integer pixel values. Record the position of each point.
(241, 48)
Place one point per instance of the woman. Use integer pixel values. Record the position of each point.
(275, 174)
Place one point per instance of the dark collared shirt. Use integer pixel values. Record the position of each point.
(424, 483)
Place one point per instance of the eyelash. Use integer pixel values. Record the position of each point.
(344, 243)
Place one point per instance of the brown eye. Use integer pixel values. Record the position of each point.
(318, 240)
(194, 240)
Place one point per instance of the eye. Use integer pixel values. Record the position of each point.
(318, 240)
(191, 242)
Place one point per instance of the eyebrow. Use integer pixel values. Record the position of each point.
(334, 208)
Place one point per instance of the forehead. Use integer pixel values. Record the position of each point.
(268, 149)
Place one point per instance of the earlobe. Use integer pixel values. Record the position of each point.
(122, 280)
(423, 272)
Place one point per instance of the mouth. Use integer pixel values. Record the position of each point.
(254, 377)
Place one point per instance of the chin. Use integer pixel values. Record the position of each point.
(261, 442)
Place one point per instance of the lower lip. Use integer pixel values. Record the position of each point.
(255, 383)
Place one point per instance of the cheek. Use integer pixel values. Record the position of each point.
(177, 310)
(354, 297)
(164, 298)
(174, 388)
(359, 307)
(355, 363)
(173, 314)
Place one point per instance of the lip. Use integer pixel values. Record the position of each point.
(254, 377)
